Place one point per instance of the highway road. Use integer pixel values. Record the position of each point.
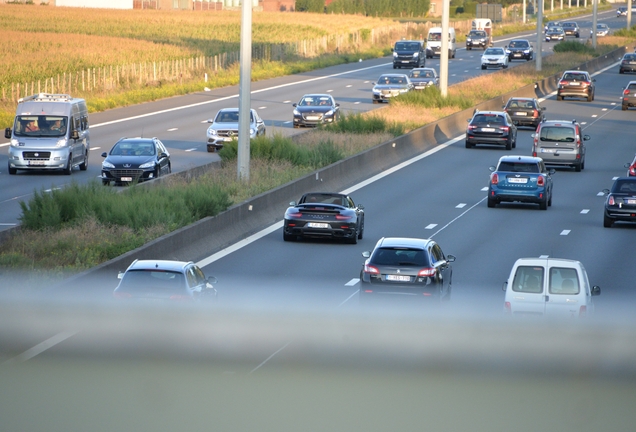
(180, 122)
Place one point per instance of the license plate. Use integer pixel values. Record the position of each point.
(516, 55)
(129, 179)
(517, 180)
(405, 61)
(521, 113)
(631, 201)
(37, 162)
(398, 278)
(227, 139)
(487, 129)
(575, 83)
(313, 118)
(545, 150)
(317, 225)
(420, 87)
(632, 62)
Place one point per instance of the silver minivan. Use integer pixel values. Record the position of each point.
(554, 287)
(560, 143)
(50, 132)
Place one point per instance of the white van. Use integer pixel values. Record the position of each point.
(549, 286)
(50, 132)
(434, 42)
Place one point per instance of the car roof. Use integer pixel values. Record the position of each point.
(520, 40)
(136, 139)
(570, 123)
(393, 75)
(502, 113)
(520, 158)
(232, 110)
(523, 99)
(316, 95)
(549, 260)
(176, 266)
(404, 242)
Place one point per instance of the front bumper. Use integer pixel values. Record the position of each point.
(519, 56)
(121, 175)
(498, 64)
(476, 139)
(38, 159)
(312, 120)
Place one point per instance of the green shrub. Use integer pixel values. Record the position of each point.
(573, 46)
(360, 124)
(431, 97)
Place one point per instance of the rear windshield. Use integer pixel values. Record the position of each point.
(489, 119)
(624, 186)
(630, 57)
(152, 281)
(518, 167)
(528, 279)
(400, 257)
(564, 281)
(325, 199)
(526, 104)
(575, 77)
(557, 134)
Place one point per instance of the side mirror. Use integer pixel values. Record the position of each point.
(294, 105)
(593, 79)
(596, 290)
(120, 275)
(210, 120)
(366, 254)
(552, 171)
(627, 165)
(391, 49)
(104, 154)
(7, 133)
(542, 108)
(373, 83)
(532, 135)
(292, 204)
(586, 137)
(211, 280)
(492, 168)
(75, 135)
(337, 104)
(605, 191)
(360, 206)
(450, 258)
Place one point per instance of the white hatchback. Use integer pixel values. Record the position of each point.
(549, 286)
(494, 57)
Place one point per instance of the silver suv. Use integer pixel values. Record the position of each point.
(560, 143)
(225, 127)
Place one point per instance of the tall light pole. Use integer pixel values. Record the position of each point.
(629, 14)
(594, 19)
(443, 55)
(538, 51)
(245, 103)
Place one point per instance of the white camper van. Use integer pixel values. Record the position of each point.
(50, 132)
(434, 42)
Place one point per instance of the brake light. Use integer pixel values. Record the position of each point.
(632, 170)
(535, 113)
(494, 178)
(471, 127)
(122, 295)
(371, 269)
(342, 217)
(507, 307)
(540, 181)
(563, 83)
(295, 215)
(625, 92)
(611, 200)
(427, 272)
(505, 128)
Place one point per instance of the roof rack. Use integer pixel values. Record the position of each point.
(46, 97)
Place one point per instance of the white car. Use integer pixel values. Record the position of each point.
(494, 57)
(601, 30)
(553, 287)
(225, 125)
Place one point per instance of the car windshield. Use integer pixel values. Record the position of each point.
(137, 281)
(624, 186)
(392, 80)
(488, 118)
(519, 44)
(40, 126)
(400, 257)
(601, 26)
(509, 166)
(314, 101)
(407, 46)
(227, 117)
(494, 51)
(421, 74)
(132, 148)
(435, 36)
(557, 134)
(477, 33)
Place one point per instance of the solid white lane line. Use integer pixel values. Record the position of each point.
(40, 348)
(600, 194)
(263, 107)
(190, 150)
(484, 189)
(270, 357)
(348, 298)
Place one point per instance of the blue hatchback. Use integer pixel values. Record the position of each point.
(522, 179)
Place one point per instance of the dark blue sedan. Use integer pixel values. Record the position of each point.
(523, 179)
(134, 160)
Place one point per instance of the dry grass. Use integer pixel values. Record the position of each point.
(350, 144)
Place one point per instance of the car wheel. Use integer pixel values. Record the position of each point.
(624, 108)
(543, 205)
(353, 239)
(69, 166)
(559, 98)
(468, 48)
(590, 98)
(105, 182)
(492, 203)
(607, 221)
(505, 67)
(577, 167)
(361, 233)
(288, 237)
(514, 143)
(621, 71)
(509, 145)
(375, 101)
(12, 171)
(84, 165)
(469, 144)
(583, 164)
(394, 67)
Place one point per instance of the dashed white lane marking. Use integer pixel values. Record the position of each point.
(95, 148)
(356, 103)
(460, 205)
(263, 107)
(544, 256)
(172, 129)
(613, 103)
(604, 109)
(600, 194)
(8, 224)
(466, 71)
(430, 226)
(287, 101)
(565, 232)
(367, 82)
(585, 211)
(353, 282)
(454, 75)
(287, 122)
(192, 149)
(484, 189)
(204, 121)
(350, 85)
(40, 348)
(594, 115)
(614, 178)
(329, 91)
(583, 123)
(268, 358)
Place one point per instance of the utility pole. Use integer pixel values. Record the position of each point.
(629, 14)
(443, 55)
(245, 102)
(538, 51)
(524, 11)
(594, 19)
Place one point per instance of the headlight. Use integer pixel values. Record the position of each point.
(375, 91)
(252, 131)
(483, 40)
(60, 143)
(395, 54)
(468, 39)
(507, 51)
(211, 131)
(329, 113)
(296, 112)
(147, 165)
(107, 165)
(526, 51)
(416, 54)
(15, 143)
(404, 90)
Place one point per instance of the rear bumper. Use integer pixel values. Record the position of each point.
(345, 231)
(473, 139)
(535, 196)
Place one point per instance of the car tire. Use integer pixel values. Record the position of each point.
(13, 171)
(505, 67)
(84, 165)
(361, 233)
(288, 237)
(583, 164)
(590, 98)
(468, 48)
(514, 143)
(509, 145)
(577, 167)
(394, 67)
(559, 98)
(353, 239)
(69, 166)
(607, 221)
(624, 107)
(105, 183)
(374, 101)
(491, 203)
(543, 205)
(469, 144)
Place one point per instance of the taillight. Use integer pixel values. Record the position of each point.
(494, 178)
(611, 201)
(625, 92)
(632, 170)
(624, 62)
(563, 83)
(295, 215)
(540, 181)
(507, 307)
(371, 269)
(343, 217)
(471, 127)
(122, 295)
(427, 272)
(535, 113)
(583, 310)
(505, 128)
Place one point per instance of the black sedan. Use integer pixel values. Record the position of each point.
(135, 160)
(628, 63)
(324, 215)
(491, 127)
(406, 267)
(554, 34)
(620, 204)
(316, 109)
(525, 111)
(520, 49)
(571, 29)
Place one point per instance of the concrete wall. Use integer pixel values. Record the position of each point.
(212, 234)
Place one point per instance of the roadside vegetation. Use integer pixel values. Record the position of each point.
(69, 230)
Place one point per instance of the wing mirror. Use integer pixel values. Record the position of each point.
(505, 285)
(450, 258)
(360, 206)
(596, 290)
(492, 168)
(7, 133)
(586, 138)
(294, 105)
(366, 254)
(104, 154)
(75, 135)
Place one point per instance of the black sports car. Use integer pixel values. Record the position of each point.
(324, 215)
(135, 160)
(316, 109)
(620, 204)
